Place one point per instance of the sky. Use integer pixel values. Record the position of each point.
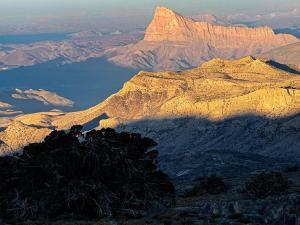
(41, 7)
(26, 11)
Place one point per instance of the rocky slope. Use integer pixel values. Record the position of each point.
(289, 54)
(220, 117)
(175, 42)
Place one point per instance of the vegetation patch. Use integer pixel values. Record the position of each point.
(97, 174)
(266, 184)
(213, 185)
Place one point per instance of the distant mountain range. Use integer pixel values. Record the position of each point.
(218, 117)
(79, 47)
(171, 42)
(175, 42)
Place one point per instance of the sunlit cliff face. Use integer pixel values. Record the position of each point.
(175, 42)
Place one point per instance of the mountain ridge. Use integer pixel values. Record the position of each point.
(168, 25)
(192, 112)
(175, 42)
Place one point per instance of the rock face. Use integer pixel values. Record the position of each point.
(175, 42)
(170, 26)
(225, 116)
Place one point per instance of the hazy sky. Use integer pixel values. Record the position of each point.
(127, 7)
(135, 12)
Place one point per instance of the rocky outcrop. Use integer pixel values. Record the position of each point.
(219, 117)
(175, 42)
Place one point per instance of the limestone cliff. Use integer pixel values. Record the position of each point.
(175, 42)
(205, 115)
(171, 26)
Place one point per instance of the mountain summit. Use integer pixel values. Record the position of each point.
(168, 25)
(176, 42)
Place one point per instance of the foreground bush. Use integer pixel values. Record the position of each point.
(207, 185)
(266, 184)
(97, 174)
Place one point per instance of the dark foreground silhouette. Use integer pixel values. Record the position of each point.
(97, 174)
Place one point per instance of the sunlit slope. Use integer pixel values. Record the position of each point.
(243, 105)
(216, 90)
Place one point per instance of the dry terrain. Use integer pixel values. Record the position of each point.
(225, 116)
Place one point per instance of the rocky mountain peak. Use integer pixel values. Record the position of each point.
(161, 11)
(175, 42)
(168, 25)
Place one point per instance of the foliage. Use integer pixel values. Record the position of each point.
(266, 184)
(99, 174)
(207, 185)
(292, 168)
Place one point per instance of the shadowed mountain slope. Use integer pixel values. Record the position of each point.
(226, 113)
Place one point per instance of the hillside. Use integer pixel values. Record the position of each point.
(175, 42)
(289, 54)
(215, 118)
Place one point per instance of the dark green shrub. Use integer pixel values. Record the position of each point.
(293, 168)
(266, 184)
(207, 185)
(102, 174)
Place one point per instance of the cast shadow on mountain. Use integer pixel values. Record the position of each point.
(95, 122)
(283, 67)
(191, 146)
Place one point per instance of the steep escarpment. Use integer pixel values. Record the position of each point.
(171, 26)
(175, 42)
(223, 115)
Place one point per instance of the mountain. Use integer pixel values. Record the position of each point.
(223, 115)
(77, 48)
(289, 54)
(175, 42)
(212, 19)
(170, 42)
